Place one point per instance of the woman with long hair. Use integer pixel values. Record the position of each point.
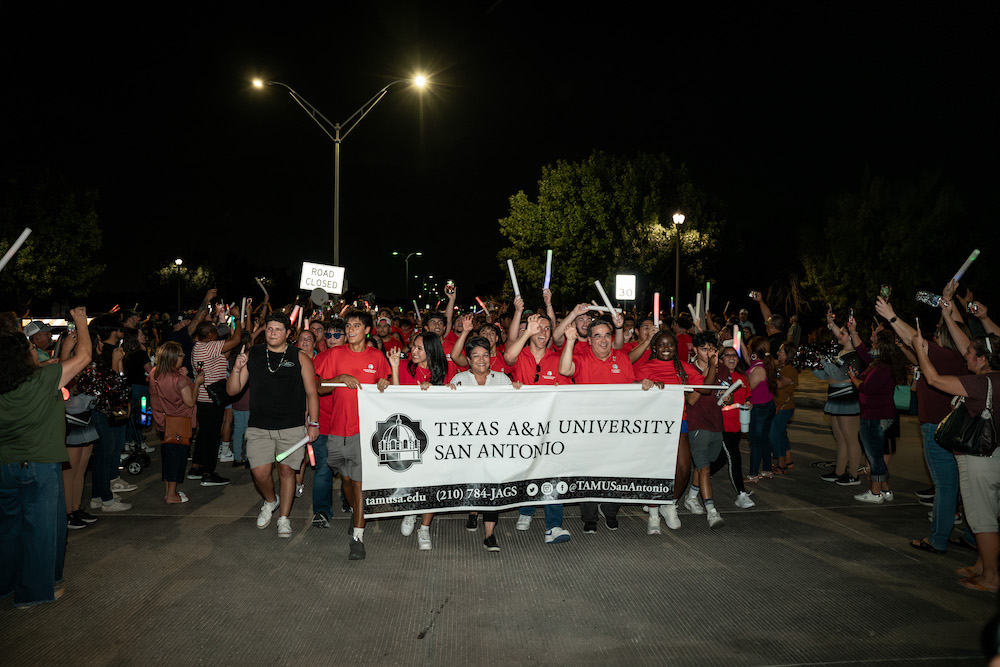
(172, 393)
(763, 377)
(731, 370)
(842, 405)
(486, 330)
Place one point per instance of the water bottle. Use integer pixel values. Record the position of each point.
(929, 298)
(745, 418)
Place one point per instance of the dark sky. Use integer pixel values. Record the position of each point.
(774, 107)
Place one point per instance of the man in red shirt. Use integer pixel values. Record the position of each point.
(353, 364)
(390, 341)
(599, 363)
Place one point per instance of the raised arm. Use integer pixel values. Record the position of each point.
(238, 378)
(559, 335)
(515, 321)
(566, 365)
(458, 349)
(84, 350)
(514, 347)
(764, 310)
(199, 317)
(949, 384)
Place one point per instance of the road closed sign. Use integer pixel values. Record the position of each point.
(324, 276)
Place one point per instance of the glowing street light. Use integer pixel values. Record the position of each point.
(340, 132)
(406, 271)
(178, 263)
(678, 221)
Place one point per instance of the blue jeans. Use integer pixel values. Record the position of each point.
(944, 474)
(322, 479)
(761, 417)
(873, 440)
(107, 455)
(779, 433)
(241, 418)
(553, 515)
(32, 531)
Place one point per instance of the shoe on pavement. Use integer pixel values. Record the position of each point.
(299, 490)
(714, 519)
(610, 521)
(195, 473)
(887, 496)
(284, 527)
(266, 510)
(869, 497)
(926, 494)
(669, 514)
(211, 479)
(590, 527)
(357, 549)
(694, 505)
(406, 528)
(424, 538)
(115, 505)
(85, 516)
(523, 521)
(847, 479)
(225, 454)
(490, 543)
(653, 527)
(830, 477)
(472, 522)
(119, 485)
(73, 522)
(321, 520)
(557, 535)
(743, 501)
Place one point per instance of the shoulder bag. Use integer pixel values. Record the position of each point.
(961, 433)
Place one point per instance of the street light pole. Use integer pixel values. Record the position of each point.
(678, 221)
(340, 132)
(406, 273)
(178, 263)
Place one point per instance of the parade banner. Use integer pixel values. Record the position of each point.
(482, 448)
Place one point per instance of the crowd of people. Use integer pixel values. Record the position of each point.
(246, 386)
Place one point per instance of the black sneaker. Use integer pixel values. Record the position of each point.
(610, 521)
(357, 550)
(85, 516)
(321, 520)
(926, 494)
(847, 479)
(830, 477)
(211, 479)
(239, 464)
(472, 522)
(590, 527)
(491, 543)
(75, 523)
(195, 473)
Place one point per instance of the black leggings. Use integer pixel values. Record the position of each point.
(731, 454)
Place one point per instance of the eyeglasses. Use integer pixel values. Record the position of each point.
(538, 371)
(336, 335)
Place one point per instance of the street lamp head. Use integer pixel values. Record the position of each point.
(394, 252)
(678, 218)
(257, 83)
(178, 261)
(420, 81)
(419, 254)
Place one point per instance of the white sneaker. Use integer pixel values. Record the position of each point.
(266, 510)
(669, 514)
(714, 520)
(225, 454)
(523, 521)
(115, 506)
(284, 527)
(743, 501)
(424, 539)
(119, 485)
(406, 528)
(653, 528)
(887, 496)
(96, 503)
(869, 497)
(299, 488)
(693, 505)
(556, 535)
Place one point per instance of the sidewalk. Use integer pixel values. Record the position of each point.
(807, 577)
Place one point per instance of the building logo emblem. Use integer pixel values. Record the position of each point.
(398, 442)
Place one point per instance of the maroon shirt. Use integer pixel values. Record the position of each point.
(933, 405)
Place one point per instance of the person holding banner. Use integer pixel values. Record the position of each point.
(729, 374)
(487, 331)
(353, 364)
(282, 390)
(598, 363)
(705, 428)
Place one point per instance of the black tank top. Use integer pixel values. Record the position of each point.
(277, 399)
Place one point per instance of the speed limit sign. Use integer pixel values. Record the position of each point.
(625, 287)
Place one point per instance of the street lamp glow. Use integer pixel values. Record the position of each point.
(178, 261)
(420, 81)
(678, 218)
(257, 83)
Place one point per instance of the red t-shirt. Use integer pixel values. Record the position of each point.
(616, 369)
(666, 372)
(391, 344)
(422, 375)
(731, 413)
(684, 347)
(448, 342)
(526, 368)
(338, 413)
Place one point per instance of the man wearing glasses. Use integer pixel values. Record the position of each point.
(322, 500)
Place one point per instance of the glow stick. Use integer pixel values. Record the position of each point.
(656, 309)
(416, 308)
(698, 305)
(548, 268)
(671, 305)
(694, 312)
(708, 294)
(604, 309)
(604, 295)
(294, 448)
(115, 308)
(482, 304)
(918, 325)
(513, 278)
(726, 309)
(295, 315)
(958, 276)
(17, 246)
(264, 289)
(332, 384)
(738, 340)
(302, 316)
(732, 388)
(312, 452)
(243, 310)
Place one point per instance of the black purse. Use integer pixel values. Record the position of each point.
(961, 433)
(217, 392)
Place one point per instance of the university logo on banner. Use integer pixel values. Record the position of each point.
(398, 442)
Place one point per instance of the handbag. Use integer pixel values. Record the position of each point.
(217, 392)
(961, 433)
(177, 430)
(901, 397)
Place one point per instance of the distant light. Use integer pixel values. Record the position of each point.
(178, 261)
(257, 83)
(678, 218)
(420, 81)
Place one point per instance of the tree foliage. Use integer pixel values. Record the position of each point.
(608, 215)
(58, 260)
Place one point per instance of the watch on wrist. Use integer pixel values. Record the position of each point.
(893, 320)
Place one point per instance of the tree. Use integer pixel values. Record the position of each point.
(608, 215)
(58, 260)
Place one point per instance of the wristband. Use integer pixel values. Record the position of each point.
(316, 424)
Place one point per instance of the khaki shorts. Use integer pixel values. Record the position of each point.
(262, 445)
(344, 454)
(979, 479)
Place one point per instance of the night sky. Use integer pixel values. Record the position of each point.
(773, 107)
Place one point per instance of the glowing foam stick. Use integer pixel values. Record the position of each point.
(295, 315)
(548, 268)
(302, 316)
(604, 309)
(698, 305)
(656, 309)
(958, 276)
(312, 452)
(264, 289)
(708, 294)
(604, 296)
(738, 340)
(243, 310)
(694, 312)
(671, 305)
(332, 384)
(114, 309)
(294, 448)
(485, 309)
(17, 246)
(416, 308)
(732, 388)
(513, 278)
(918, 325)
(726, 309)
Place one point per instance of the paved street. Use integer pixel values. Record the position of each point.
(807, 577)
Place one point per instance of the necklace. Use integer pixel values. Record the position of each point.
(267, 359)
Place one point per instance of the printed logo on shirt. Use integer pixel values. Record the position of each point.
(287, 364)
(398, 442)
(615, 369)
(370, 369)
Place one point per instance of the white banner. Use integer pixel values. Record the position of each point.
(480, 448)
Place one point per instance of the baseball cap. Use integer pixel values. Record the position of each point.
(36, 327)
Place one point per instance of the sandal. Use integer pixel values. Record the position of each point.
(751, 479)
(767, 474)
(965, 572)
(790, 466)
(924, 545)
(962, 542)
(778, 470)
(969, 583)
